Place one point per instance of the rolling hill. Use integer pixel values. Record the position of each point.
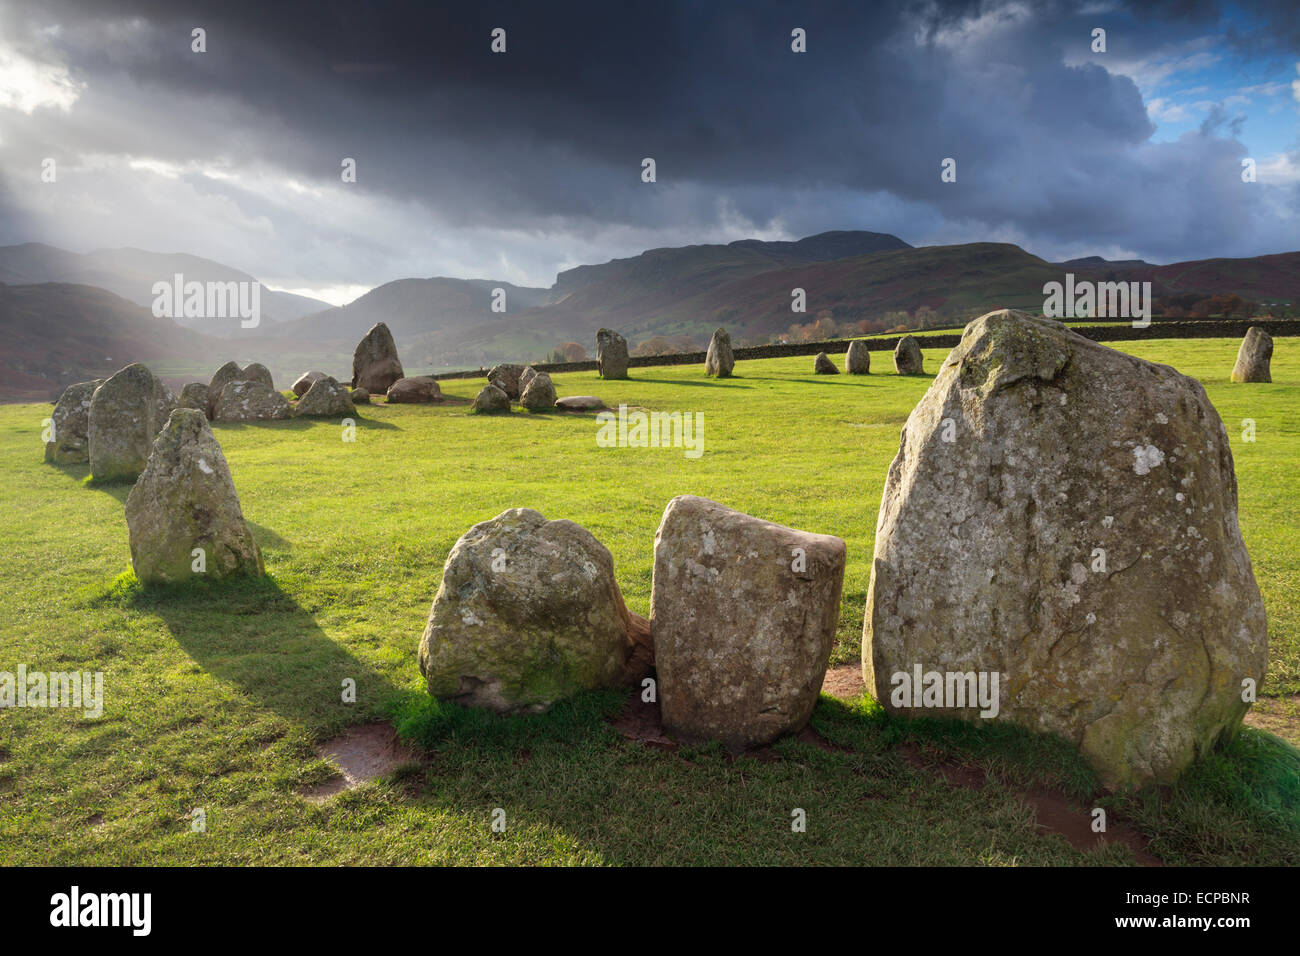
(54, 334)
(131, 274)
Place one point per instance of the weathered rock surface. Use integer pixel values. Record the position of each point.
(327, 396)
(719, 360)
(185, 500)
(857, 361)
(230, 372)
(525, 377)
(360, 396)
(416, 390)
(125, 414)
(1255, 357)
(375, 365)
(194, 395)
(611, 354)
(506, 378)
(257, 372)
(822, 365)
(491, 399)
(540, 393)
(907, 357)
(579, 403)
(1065, 516)
(742, 619)
(528, 613)
(250, 402)
(70, 421)
(305, 381)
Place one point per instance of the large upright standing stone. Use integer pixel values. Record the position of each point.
(126, 412)
(742, 618)
(528, 613)
(719, 360)
(183, 515)
(70, 424)
(611, 354)
(907, 357)
(1254, 358)
(1064, 516)
(375, 365)
(857, 361)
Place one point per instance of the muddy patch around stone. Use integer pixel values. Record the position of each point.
(844, 681)
(1279, 716)
(360, 753)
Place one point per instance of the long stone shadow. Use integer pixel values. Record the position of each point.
(709, 383)
(254, 635)
(303, 424)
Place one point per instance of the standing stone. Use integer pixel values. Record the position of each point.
(70, 422)
(1254, 357)
(611, 354)
(250, 402)
(742, 619)
(125, 414)
(185, 501)
(327, 396)
(257, 372)
(419, 389)
(491, 399)
(525, 377)
(506, 378)
(528, 613)
(1064, 516)
(306, 380)
(360, 396)
(540, 393)
(858, 360)
(719, 360)
(194, 395)
(822, 365)
(375, 365)
(907, 357)
(230, 372)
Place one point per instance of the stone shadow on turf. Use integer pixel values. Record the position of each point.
(251, 633)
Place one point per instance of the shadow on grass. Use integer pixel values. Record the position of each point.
(729, 382)
(304, 423)
(250, 633)
(572, 780)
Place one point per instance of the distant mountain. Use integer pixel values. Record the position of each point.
(413, 308)
(1097, 262)
(131, 274)
(54, 334)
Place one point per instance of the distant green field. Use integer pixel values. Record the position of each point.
(216, 695)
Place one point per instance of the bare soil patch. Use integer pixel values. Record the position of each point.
(1277, 715)
(360, 753)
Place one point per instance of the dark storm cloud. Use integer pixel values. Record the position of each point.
(546, 141)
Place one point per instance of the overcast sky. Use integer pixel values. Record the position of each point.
(515, 165)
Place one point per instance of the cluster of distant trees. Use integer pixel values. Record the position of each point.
(1198, 305)
(568, 352)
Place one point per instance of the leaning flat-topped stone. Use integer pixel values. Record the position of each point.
(742, 619)
(611, 354)
(1063, 516)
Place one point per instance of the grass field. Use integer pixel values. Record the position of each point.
(217, 695)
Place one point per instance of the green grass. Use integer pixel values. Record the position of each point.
(216, 694)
